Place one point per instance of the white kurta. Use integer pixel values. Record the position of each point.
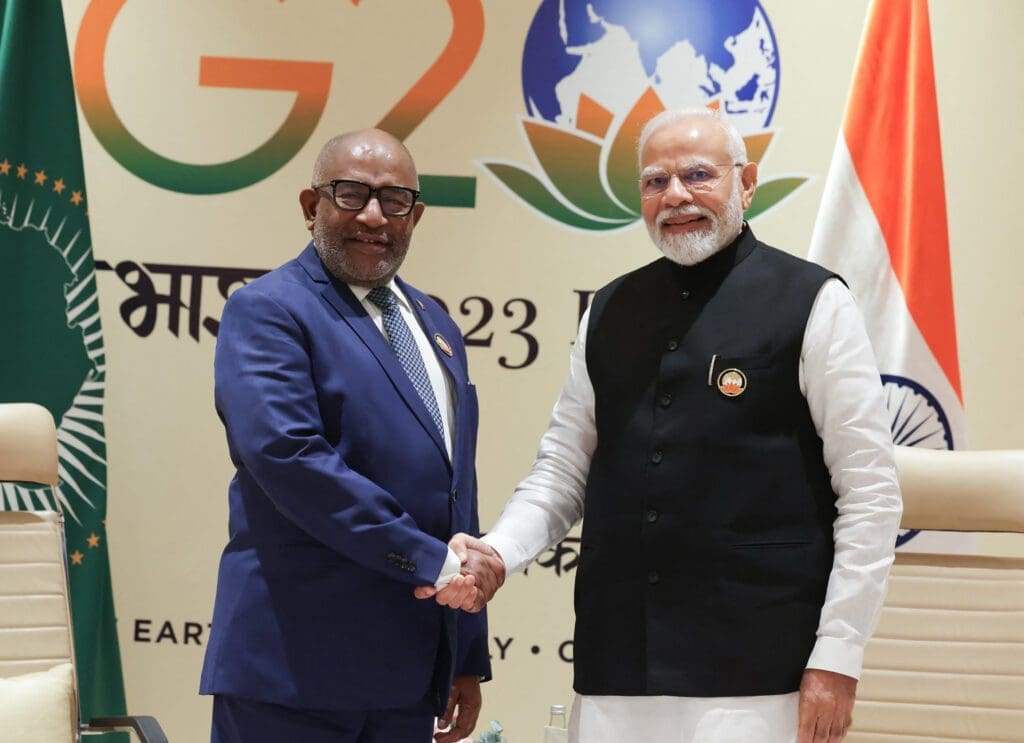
(840, 380)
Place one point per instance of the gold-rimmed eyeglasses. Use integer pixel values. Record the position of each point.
(695, 179)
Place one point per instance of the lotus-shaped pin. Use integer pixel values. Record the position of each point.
(588, 178)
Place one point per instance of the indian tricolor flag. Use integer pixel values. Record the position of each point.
(882, 227)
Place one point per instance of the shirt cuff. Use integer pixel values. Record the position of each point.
(838, 656)
(509, 551)
(449, 570)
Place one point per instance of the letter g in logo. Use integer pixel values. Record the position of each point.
(309, 80)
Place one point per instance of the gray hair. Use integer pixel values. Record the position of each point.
(737, 148)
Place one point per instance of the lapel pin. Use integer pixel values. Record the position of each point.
(442, 344)
(732, 382)
(419, 303)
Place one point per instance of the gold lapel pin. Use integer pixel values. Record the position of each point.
(442, 344)
(732, 382)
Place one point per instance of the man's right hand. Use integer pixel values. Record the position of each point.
(482, 564)
(481, 561)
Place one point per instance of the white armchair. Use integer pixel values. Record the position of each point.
(947, 661)
(38, 685)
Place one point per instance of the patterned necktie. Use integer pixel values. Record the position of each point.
(404, 345)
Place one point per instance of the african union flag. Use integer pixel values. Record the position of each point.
(49, 319)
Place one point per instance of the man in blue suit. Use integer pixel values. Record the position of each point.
(351, 423)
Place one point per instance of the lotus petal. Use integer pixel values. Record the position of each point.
(757, 144)
(622, 170)
(573, 164)
(592, 117)
(530, 189)
(770, 193)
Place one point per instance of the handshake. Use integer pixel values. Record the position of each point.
(481, 575)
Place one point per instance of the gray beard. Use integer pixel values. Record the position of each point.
(689, 249)
(334, 257)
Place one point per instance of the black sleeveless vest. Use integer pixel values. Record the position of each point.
(707, 534)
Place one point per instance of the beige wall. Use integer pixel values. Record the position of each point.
(168, 464)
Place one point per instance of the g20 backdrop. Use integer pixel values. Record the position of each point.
(199, 124)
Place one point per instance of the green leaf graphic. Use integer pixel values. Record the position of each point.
(530, 189)
(770, 193)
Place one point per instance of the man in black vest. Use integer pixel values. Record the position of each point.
(724, 425)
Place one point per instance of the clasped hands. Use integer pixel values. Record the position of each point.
(481, 575)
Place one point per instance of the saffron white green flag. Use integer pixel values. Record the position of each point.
(882, 226)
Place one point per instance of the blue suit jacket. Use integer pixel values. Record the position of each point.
(342, 502)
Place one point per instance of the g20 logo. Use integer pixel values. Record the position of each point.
(310, 81)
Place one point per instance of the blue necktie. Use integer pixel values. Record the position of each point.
(404, 346)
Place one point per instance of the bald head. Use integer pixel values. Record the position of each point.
(361, 144)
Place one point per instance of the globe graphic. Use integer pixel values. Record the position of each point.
(689, 51)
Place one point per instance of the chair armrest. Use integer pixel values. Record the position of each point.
(146, 727)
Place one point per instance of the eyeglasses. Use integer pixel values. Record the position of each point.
(353, 196)
(698, 179)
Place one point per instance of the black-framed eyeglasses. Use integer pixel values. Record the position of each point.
(353, 196)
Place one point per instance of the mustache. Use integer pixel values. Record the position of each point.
(683, 211)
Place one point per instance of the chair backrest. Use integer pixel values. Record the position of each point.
(35, 615)
(947, 661)
(28, 444)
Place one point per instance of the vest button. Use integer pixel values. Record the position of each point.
(651, 516)
(653, 577)
(656, 456)
(665, 400)
(454, 494)
(672, 345)
(685, 293)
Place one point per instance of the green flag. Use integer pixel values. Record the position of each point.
(50, 334)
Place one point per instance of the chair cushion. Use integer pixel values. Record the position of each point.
(37, 707)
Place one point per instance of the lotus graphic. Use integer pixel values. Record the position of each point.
(588, 173)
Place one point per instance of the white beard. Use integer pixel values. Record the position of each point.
(690, 248)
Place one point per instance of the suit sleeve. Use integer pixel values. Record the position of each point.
(267, 398)
(473, 654)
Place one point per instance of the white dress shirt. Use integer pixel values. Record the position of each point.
(439, 382)
(840, 381)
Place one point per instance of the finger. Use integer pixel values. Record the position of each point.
(449, 711)
(454, 594)
(459, 546)
(473, 602)
(805, 723)
(481, 602)
(465, 593)
(451, 736)
(468, 714)
(424, 592)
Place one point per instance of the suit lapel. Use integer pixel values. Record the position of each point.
(341, 298)
(438, 340)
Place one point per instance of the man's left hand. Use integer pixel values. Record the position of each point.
(463, 707)
(826, 706)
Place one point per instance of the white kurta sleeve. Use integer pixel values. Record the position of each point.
(550, 500)
(839, 378)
